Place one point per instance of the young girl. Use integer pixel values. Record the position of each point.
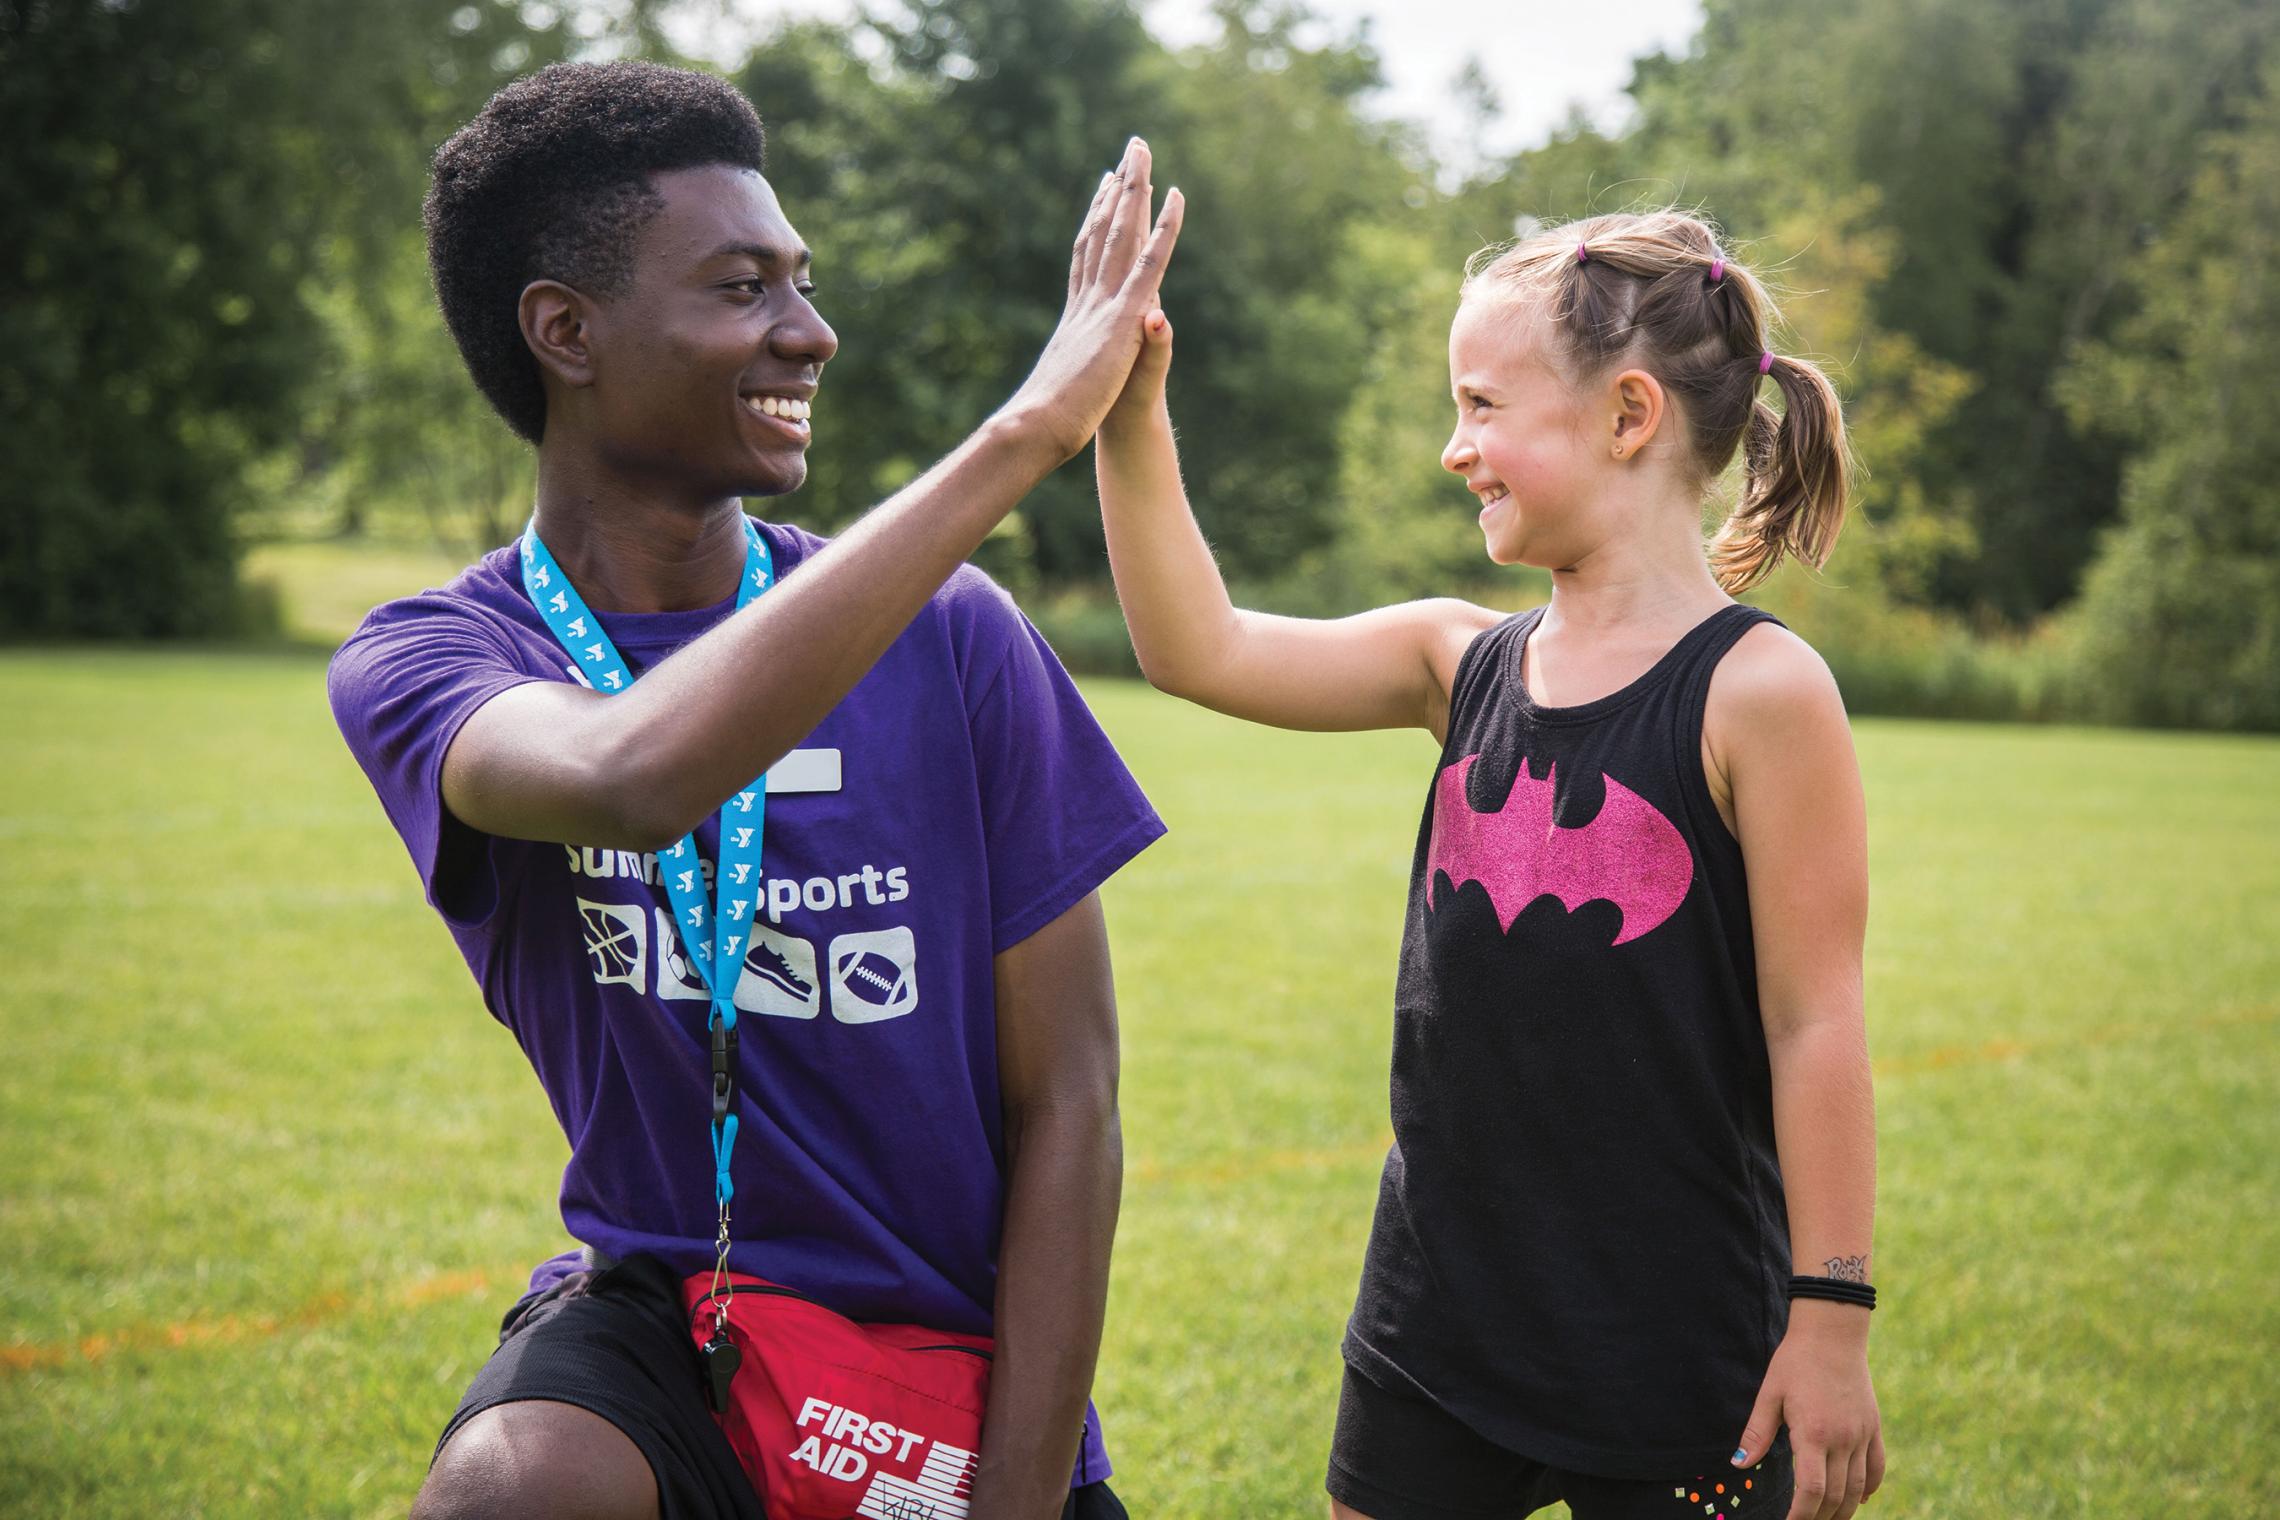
(1630, 1074)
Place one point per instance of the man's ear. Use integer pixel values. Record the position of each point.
(1639, 403)
(557, 323)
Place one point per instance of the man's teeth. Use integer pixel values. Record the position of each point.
(779, 406)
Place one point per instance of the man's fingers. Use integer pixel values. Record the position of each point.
(1875, 1462)
(1096, 223)
(1080, 250)
(1147, 276)
(1127, 217)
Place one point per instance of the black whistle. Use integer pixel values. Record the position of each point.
(721, 1361)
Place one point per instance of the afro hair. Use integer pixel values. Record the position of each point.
(551, 181)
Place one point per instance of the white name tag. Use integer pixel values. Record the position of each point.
(805, 770)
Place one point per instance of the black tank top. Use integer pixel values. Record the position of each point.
(1580, 1241)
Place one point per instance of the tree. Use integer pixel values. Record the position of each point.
(2179, 620)
(940, 188)
(175, 176)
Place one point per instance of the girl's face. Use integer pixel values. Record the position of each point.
(1523, 441)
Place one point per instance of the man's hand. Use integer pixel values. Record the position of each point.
(1113, 281)
(1818, 1386)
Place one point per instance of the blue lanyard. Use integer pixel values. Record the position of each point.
(717, 956)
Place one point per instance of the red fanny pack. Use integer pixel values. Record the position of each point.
(833, 1419)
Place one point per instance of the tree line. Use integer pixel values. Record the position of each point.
(2034, 240)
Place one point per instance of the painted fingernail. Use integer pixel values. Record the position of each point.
(1740, 1456)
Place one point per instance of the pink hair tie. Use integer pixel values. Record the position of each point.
(1583, 253)
(1765, 362)
(1717, 270)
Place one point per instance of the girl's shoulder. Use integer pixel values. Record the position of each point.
(1773, 711)
(1770, 673)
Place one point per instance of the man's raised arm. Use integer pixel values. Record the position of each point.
(637, 770)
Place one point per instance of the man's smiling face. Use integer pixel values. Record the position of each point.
(706, 364)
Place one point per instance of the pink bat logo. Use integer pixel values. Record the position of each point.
(1630, 855)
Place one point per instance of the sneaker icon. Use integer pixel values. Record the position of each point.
(778, 977)
(768, 963)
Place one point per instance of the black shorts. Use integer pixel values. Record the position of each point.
(1397, 1457)
(614, 1342)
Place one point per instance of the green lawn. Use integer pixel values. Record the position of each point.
(271, 1174)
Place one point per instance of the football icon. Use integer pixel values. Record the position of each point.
(874, 976)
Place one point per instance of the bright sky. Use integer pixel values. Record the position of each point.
(1540, 57)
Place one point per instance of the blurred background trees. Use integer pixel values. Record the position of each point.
(2034, 239)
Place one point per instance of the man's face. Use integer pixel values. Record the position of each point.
(706, 363)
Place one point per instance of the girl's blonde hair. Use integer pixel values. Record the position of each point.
(1653, 291)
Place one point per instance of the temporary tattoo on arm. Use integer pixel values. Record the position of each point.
(1848, 1268)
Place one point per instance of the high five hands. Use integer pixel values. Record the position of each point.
(1115, 271)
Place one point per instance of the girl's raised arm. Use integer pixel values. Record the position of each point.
(1387, 668)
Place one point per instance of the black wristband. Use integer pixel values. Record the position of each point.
(1835, 1289)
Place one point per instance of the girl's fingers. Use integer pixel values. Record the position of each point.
(1811, 1467)
(1875, 1462)
(1856, 1482)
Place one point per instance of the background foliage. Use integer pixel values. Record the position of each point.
(2033, 239)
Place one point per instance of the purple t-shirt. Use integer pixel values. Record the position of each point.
(980, 800)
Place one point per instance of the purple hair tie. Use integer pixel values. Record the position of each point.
(1765, 362)
(1717, 270)
(1583, 253)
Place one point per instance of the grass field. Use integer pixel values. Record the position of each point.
(272, 1174)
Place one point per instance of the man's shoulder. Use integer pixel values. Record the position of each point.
(451, 631)
(483, 593)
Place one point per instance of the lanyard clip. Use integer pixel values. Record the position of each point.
(723, 1069)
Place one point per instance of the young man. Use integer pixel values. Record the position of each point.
(927, 1079)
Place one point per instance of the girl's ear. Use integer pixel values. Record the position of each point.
(557, 325)
(1638, 403)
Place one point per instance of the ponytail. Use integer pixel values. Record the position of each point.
(1796, 477)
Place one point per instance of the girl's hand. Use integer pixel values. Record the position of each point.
(1144, 388)
(1818, 1385)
